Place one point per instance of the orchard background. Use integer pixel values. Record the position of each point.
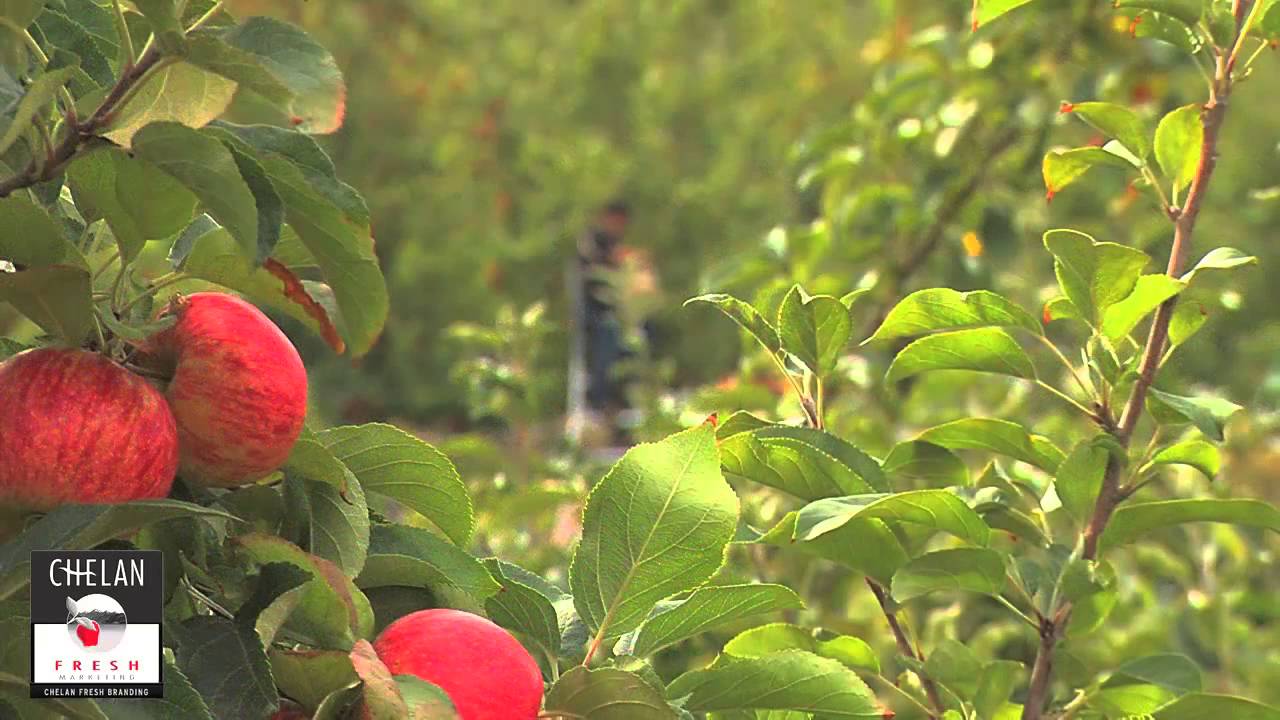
(1048, 498)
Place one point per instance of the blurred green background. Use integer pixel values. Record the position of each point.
(484, 135)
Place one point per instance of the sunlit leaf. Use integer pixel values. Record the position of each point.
(1136, 520)
(989, 350)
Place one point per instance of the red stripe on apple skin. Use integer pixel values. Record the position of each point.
(239, 390)
(77, 428)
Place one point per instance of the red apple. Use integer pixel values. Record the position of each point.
(87, 630)
(239, 390)
(485, 671)
(76, 427)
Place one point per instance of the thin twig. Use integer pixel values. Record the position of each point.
(904, 647)
(80, 133)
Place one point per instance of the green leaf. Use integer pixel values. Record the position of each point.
(1061, 308)
(998, 436)
(1223, 258)
(803, 462)
(424, 700)
(1148, 294)
(33, 239)
(382, 700)
(331, 612)
(999, 678)
(1198, 706)
(77, 31)
(277, 588)
(1208, 414)
(342, 244)
(814, 329)
(710, 607)
(208, 50)
(21, 12)
(1178, 140)
(936, 509)
(1198, 454)
(138, 201)
(745, 315)
(227, 665)
(968, 569)
(955, 665)
(925, 462)
(988, 10)
(1126, 701)
(403, 555)
(765, 640)
(310, 459)
(178, 94)
(1168, 29)
(1116, 121)
(607, 694)
(208, 252)
(981, 349)
(1269, 27)
(181, 700)
(162, 15)
(522, 607)
(1063, 167)
(936, 309)
(309, 676)
(1093, 275)
(392, 463)
(55, 297)
(335, 524)
(1187, 11)
(265, 198)
(740, 422)
(1079, 479)
(1188, 318)
(208, 169)
(9, 348)
(1136, 520)
(879, 553)
(80, 527)
(35, 101)
(657, 524)
(1015, 522)
(788, 680)
(339, 704)
(302, 65)
(1169, 670)
(305, 155)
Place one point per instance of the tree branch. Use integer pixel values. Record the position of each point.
(79, 133)
(904, 647)
(1112, 493)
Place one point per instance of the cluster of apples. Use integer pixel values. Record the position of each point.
(76, 427)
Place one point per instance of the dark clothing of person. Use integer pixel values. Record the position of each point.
(605, 344)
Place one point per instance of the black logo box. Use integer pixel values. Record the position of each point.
(142, 603)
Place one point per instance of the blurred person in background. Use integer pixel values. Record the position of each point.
(613, 288)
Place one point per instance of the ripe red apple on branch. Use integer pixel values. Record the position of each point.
(76, 427)
(239, 389)
(483, 669)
